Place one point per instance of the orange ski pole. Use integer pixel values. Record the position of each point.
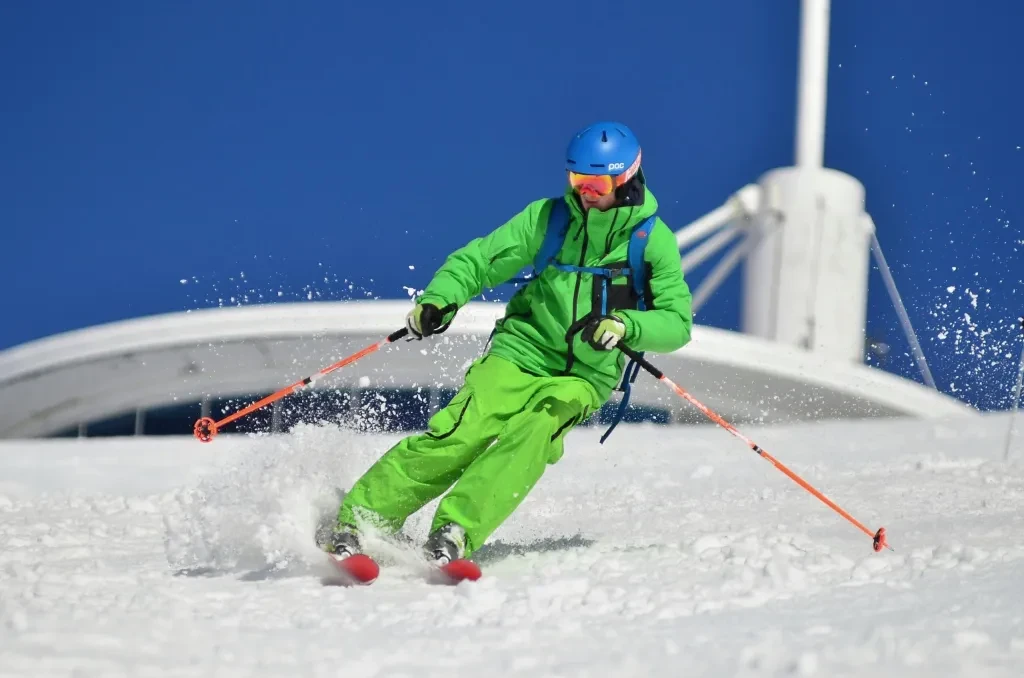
(206, 428)
(878, 538)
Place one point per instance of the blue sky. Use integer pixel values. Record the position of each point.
(267, 151)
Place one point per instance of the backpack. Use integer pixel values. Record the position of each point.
(557, 230)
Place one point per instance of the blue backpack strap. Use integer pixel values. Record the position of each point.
(635, 256)
(638, 274)
(554, 236)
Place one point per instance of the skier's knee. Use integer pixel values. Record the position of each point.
(449, 419)
(544, 415)
(547, 420)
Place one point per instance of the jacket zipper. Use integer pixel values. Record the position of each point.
(571, 358)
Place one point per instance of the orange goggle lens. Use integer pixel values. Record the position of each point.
(597, 184)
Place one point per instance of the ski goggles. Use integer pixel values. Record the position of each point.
(595, 184)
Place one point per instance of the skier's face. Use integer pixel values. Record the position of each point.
(601, 202)
(595, 190)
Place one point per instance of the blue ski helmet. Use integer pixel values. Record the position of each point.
(604, 148)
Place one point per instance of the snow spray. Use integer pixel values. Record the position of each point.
(1016, 398)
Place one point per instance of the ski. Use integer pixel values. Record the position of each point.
(355, 570)
(459, 570)
(362, 570)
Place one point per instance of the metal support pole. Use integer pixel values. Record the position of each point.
(813, 83)
(720, 272)
(706, 225)
(709, 247)
(732, 258)
(908, 329)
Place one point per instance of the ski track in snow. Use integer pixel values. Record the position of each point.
(665, 552)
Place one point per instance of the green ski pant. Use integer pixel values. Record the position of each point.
(492, 442)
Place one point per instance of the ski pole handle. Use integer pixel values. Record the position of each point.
(398, 334)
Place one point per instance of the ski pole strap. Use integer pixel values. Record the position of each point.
(639, 359)
(619, 412)
(628, 377)
(632, 370)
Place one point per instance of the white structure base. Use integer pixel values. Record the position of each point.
(806, 279)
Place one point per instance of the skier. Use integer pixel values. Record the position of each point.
(550, 362)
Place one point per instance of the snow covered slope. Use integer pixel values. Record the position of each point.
(666, 552)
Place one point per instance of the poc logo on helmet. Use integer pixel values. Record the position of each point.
(616, 165)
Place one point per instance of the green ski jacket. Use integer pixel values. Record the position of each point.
(532, 334)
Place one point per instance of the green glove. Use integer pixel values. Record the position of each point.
(604, 332)
(423, 320)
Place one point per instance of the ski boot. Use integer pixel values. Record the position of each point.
(339, 540)
(446, 545)
(352, 566)
(446, 549)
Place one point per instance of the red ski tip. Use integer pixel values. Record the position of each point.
(205, 429)
(457, 570)
(360, 567)
(879, 540)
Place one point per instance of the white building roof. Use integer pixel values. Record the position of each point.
(98, 372)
